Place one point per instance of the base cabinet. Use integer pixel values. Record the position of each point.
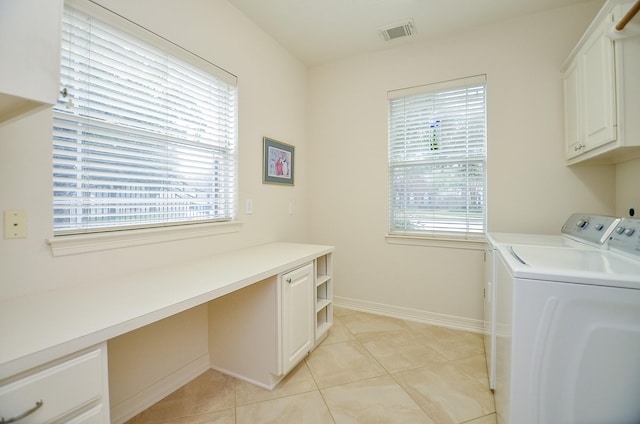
(71, 390)
(261, 332)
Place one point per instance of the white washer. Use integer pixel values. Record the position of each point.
(580, 231)
(568, 332)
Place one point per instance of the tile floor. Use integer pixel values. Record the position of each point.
(370, 369)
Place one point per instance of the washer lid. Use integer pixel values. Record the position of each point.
(579, 231)
(579, 266)
(550, 240)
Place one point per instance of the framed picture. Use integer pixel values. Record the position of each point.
(278, 162)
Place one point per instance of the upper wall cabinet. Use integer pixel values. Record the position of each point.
(30, 52)
(602, 90)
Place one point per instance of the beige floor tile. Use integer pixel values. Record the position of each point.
(401, 351)
(297, 381)
(377, 400)
(227, 416)
(338, 333)
(363, 325)
(210, 392)
(474, 366)
(342, 363)
(447, 394)
(307, 408)
(452, 344)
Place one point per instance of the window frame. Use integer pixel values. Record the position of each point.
(76, 241)
(433, 236)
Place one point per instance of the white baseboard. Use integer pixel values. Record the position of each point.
(416, 315)
(246, 379)
(132, 406)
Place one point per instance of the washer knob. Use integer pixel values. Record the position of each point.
(599, 227)
(620, 230)
(629, 231)
(582, 223)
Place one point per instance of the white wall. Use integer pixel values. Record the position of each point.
(627, 191)
(272, 91)
(529, 187)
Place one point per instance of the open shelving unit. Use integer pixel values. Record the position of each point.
(323, 296)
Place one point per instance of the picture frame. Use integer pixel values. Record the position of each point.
(278, 162)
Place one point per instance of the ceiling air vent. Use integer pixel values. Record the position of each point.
(399, 30)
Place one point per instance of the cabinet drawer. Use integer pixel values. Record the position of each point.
(62, 388)
(95, 415)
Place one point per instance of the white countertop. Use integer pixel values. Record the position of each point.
(38, 328)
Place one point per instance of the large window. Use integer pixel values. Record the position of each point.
(437, 159)
(144, 133)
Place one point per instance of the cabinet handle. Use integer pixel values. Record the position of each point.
(289, 280)
(24, 414)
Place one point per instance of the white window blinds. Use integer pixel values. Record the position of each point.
(437, 159)
(141, 136)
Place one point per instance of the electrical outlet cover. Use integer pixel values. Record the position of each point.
(15, 224)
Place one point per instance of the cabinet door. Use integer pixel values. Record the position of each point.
(30, 51)
(572, 104)
(599, 120)
(297, 315)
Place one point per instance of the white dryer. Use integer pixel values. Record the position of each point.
(568, 332)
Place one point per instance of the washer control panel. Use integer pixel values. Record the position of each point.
(592, 229)
(626, 236)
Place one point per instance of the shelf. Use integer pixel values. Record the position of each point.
(322, 329)
(321, 279)
(322, 303)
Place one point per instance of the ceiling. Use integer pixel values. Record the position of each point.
(320, 31)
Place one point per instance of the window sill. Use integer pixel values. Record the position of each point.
(85, 243)
(451, 243)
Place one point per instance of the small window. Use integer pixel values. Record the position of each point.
(144, 133)
(437, 159)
